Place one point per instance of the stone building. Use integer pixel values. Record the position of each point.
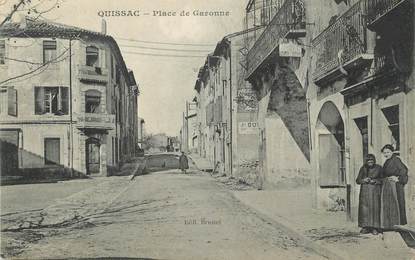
(277, 65)
(68, 101)
(226, 115)
(361, 94)
(334, 81)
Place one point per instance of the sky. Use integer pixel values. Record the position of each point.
(165, 82)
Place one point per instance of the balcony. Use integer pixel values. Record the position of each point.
(289, 18)
(341, 46)
(90, 74)
(95, 121)
(377, 10)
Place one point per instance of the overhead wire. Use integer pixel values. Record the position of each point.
(162, 49)
(164, 55)
(55, 60)
(165, 43)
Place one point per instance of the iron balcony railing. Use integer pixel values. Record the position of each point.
(341, 42)
(379, 8)
(290, 16)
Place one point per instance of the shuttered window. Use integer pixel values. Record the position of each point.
(52, 151)
(92, 101)
(92, 54)
(49, 51)
(51, 100)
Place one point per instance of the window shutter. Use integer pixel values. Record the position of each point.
(64, 100)
(2, 51)
(39, 100)
(12, 101)
(102, 58)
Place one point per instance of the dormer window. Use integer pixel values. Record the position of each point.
(92, 56)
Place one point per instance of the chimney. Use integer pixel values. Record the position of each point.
(103, 26)
(22, 20)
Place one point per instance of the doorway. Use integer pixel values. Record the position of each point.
(93, 158)
(331, 141)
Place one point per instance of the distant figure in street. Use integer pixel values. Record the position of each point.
(395, 175)
(184, 164)
(370, 181)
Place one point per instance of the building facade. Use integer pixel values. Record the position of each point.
(361, 94)
(71, 102)
(324, 83)
(277, 65)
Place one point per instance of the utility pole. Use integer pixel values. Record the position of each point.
(187, 126)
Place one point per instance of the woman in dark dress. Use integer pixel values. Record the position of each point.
(183, 162)
(395, 175)
(370, 181)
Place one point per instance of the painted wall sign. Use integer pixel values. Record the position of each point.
(248, 128)
(290, 49)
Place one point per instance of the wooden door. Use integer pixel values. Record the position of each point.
(8, 152)
(93, 156)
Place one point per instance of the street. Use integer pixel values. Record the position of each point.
(162, 215)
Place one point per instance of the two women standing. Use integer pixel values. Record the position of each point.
(382, 198)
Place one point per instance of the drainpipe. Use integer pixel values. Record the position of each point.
(70, 106)
(230, 110)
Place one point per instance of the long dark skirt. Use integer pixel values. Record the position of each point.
(392, 211)
(369, 206)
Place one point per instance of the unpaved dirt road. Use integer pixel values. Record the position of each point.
(162, 215)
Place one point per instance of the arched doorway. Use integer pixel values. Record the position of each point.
(93, 159)
(331, 142)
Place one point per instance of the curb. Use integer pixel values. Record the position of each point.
(288, 228)
(197, 166)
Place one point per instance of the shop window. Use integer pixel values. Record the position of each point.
(363, 128)
(92, 56)
(392, 116)
(92, 101)
(51, 100)
(2, 52)
(49, 51)
(52, 151)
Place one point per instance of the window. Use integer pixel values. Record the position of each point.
(51, 100)
(2, 52)
(52, 151)
(112, 67)
(117, 74)
(92, 54)
(362, 125)
(92, 101)
(3, 100)
(8, 101)
(49, 51)
(392, 116)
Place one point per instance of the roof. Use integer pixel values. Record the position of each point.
(41, 28)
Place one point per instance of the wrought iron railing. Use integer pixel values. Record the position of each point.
(341, 41)
(291, 15)
(378, 8)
